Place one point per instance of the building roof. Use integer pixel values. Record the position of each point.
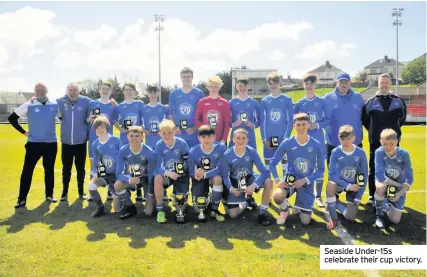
(386, 61)
(12, 98)
(326, 67)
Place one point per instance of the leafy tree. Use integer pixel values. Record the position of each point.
(415, 71)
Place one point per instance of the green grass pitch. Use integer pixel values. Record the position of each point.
(63, 240)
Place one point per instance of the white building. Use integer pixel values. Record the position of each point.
(326, 73)
(257, 80)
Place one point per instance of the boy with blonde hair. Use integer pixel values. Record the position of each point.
(171, 169)
(393, 178)
(214, 110)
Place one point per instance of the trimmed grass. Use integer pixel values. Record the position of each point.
(63, 240)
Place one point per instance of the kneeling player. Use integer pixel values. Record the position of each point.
(171, 169)
(394, 177)
(105, 150)
(237, 172)
(135, 168)
(348, 171)
(305, 166)
(204, 171)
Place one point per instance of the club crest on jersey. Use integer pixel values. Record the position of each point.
(247, 158)
(312, 117)
(107, 161)
(275, 115)
(185, 108)
(348, 172)
(310, 149)
(176, 151)
(393, 171)
(356, 158)
(301, 165)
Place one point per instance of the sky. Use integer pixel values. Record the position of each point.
(63, 42)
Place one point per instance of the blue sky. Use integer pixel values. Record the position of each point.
(60, 42)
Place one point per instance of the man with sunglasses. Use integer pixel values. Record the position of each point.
(345, 106)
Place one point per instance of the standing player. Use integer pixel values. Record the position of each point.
(128, 113)
(277, 113)
(182, 107)
(348, 171)
(245, 112)
(135, 170)
(394, 177)
(214, 110)
(101, 106)
(204, 172)
(305, 166)
(237, 172)
(318, 113)
(171, 169)
(152, 115)
(105, 150)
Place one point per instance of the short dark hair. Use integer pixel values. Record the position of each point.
(153, 87)
(301, 117)
(206, 130)
(345, 131)
(310, 77)
(186, 70)
(243, 80)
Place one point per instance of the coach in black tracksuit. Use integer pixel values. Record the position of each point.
(384, 110)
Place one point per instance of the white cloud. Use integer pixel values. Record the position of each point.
(96, 37)
(326, 49)
(62, 43)
(14, 67)
(4, 55)
(277, 56)
(136, 48)
(298, 73)
(26, 27)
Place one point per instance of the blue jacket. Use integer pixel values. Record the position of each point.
(74, 128)
(345, 110)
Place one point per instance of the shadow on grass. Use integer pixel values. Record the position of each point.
(141, 228)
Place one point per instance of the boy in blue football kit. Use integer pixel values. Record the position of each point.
(317, 110)
(152, 115)
(277, 114)
(135, 170)
(305, 166)
(394, 177)
(171, 169)
(348, 171)
(182, 107)
(239, 178)
(101, 106)
(245, 112)
(105, 151)
(128, 113)
(204, 172)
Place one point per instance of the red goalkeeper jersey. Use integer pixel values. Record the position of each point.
(214, 112)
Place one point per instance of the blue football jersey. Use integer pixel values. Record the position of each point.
(129, 111)
(397, 168)
(151, 118)
(248, 109)
(238, 167)
(304, 161)
(277, 114)
(145, 159)
(106, 153)
(167, 157)
(107, 110)
(318, 112)
(197, 158)
(345, 166)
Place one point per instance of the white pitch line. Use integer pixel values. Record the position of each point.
(347, 239)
